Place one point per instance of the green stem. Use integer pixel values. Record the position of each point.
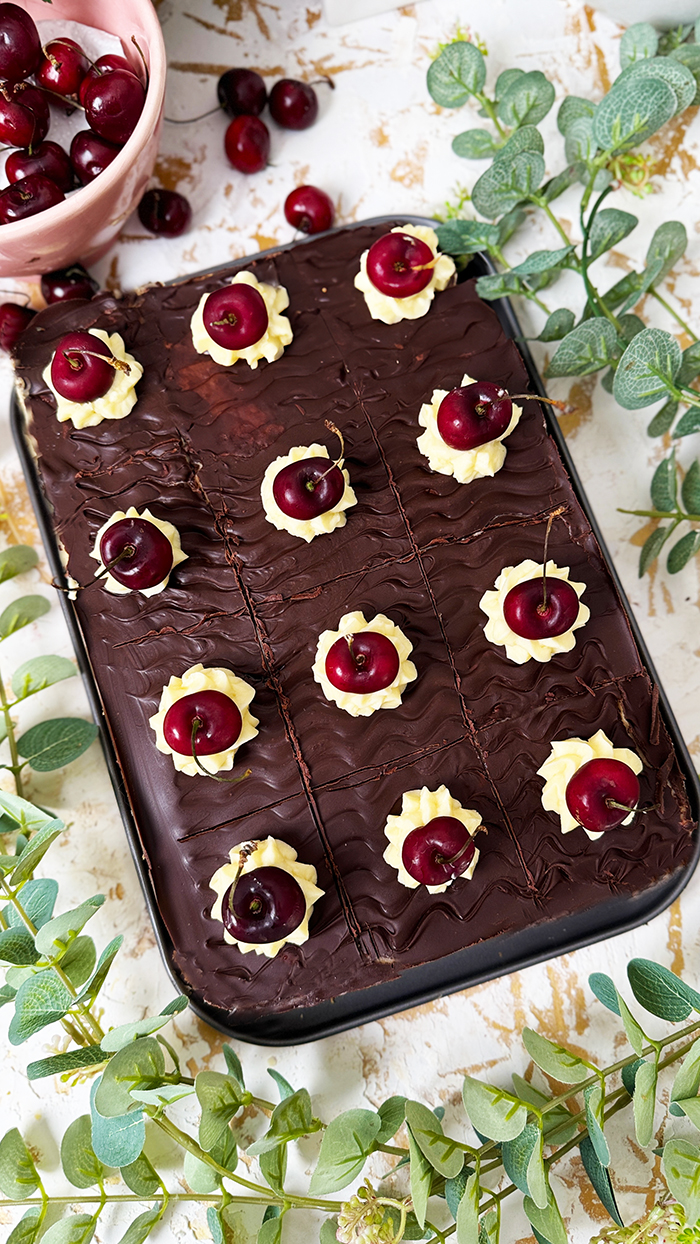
(557, 225)
(667, 306)
(16, 767)
(592, 295)
(678, 515)
(490, 109)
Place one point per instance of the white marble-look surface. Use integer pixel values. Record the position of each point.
(380, 146)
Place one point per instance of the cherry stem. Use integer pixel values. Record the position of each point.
(323, 81)
(244, 852)
(359, 658)
(191, 120)
(565, 407)
(311, 485)
(135, 42)
(16, 292)
(543, 606)
(117, 364)
(127, 551)
(452, 859)
(197, 724)
(623, 807)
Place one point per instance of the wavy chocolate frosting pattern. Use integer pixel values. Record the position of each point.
(418, 547)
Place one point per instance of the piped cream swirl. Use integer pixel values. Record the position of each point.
(270, 346)
(269, 853)
(213, 678)
(171, 534)
(465, 464)
(355, 704)
(390, 310)
(418, 807)
(305, 528)
(497, 630)
(565, 758)
(120, 397)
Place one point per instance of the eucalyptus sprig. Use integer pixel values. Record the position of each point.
(659, 80)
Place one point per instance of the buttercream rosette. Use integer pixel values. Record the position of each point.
(268, 853)
(305, 528)
(418, 808)
(211, 678)
(270, 346)
(565, 758)
(363, 705)
(391, 310)
(116, 403)
(171, 534)
(497, 630)
(465, 464)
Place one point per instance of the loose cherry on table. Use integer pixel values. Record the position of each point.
(235, 317)
(63, 67)
(293, 104)
(473, 415)
(20, 45)
(305, 489)
(309, 209)
(113, 104)
(48, 159)
(436, 853)
(602, 793)
(165, 213)
(241, 92)
(263, 905)
(90, 155)
(202, 723)
(24, 115)
(83, 367)
(13, 319)
(136, 553)
(362, 663)
(27, 197)
(247, 144)
(400, 265)
(66, 283)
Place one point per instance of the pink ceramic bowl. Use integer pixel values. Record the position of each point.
(83, 227)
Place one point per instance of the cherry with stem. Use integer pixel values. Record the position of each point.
(197, 724)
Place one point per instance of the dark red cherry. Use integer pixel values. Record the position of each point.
(436, 853)
(235, 317)
(151, 557)
(165, 213)
(596, 788)
(400, 265)
(264, 905)
(220, 723)
(67, 283)
(362, 663)
(104, 64)
(90, 155)
(473, 415)
(75, 371)
(27, 197)
(13, 319)
(24, 115)
(241, 92)
(309, 209)
(48, 159)
(113, 105)
(247, 144)
(293, 104)
(527, 614)
(63, 67)
(20, 45)
(305, 489)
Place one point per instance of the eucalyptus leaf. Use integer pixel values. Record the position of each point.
(571, 108)
(138, 1065)
(284, 1088)
(509, 224)
(651, 548)
(117, 1141)
(467, 1218)
(690, 488)
(99, 976)
(688, 54)
(73, 1060)
(689, 423)
(52, 744)
(665, 249)
(663, 419)
(636, 1036)
(79, 960)
(291, 1119)
(543, 261)
(347, 1143)
(600, 1178)
(214, 1224)
(18, 559)
(681, 1168)
(555, 1059)
(638, 41)
(459, 71)
(273, 1167)
(329, 1228)
(421, 1180)
(40, 1001)
(141, 1177)
(56, 933)
(522, 1161)
(40, 672)
(20, 613)
(558, 324)
(691, 1107)
(17, 946)
(499, 285)
(117, 1038)
(631, 112)
(647, 369)
(220, 1097)
(76, 1229)
(163, 1095)
(527, 138)
(140, 1227)
(587, 348)
(660, 991)
(454, 1189)
(609, 227)
(605, 991)
(580, 142)
(458, 237)
(233, 1064)
(474, 145)
(593, 1099)
(503, 186)
(556, 1122)
(505, 80)
(682, 552)
(80, 1163)
(557, 185)
(621, 292)
(664, 484)
(671, 71)
(495, 1113)
(199, 1177)
(26, 815)
(27, 1229)
(687, 1079)
(629, 1074)
(36, 851)
(527, 100)
(270, 1231)
(690, 364)
(18, 1177)
(442, 1152)
(548, 1221)
(391, 1113)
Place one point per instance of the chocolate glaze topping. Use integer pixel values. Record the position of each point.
(418, 547)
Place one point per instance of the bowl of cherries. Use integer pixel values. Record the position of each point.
(64, 202)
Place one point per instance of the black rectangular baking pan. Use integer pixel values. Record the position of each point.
(481, 962)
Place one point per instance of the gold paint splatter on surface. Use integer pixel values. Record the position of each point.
(198, 66)
(617, 260)
(20, 524)
(603, 75)
(668, 599)
(112, 281)
(379, 136)
(312, 16)
(567, 1012)
(217, 30)
(173, 171)
(237, 10)
(579, 1181)
(264, 241)
(670, 142)
(675, 937)
(580, 396)
(409, 172)
(694, 746)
